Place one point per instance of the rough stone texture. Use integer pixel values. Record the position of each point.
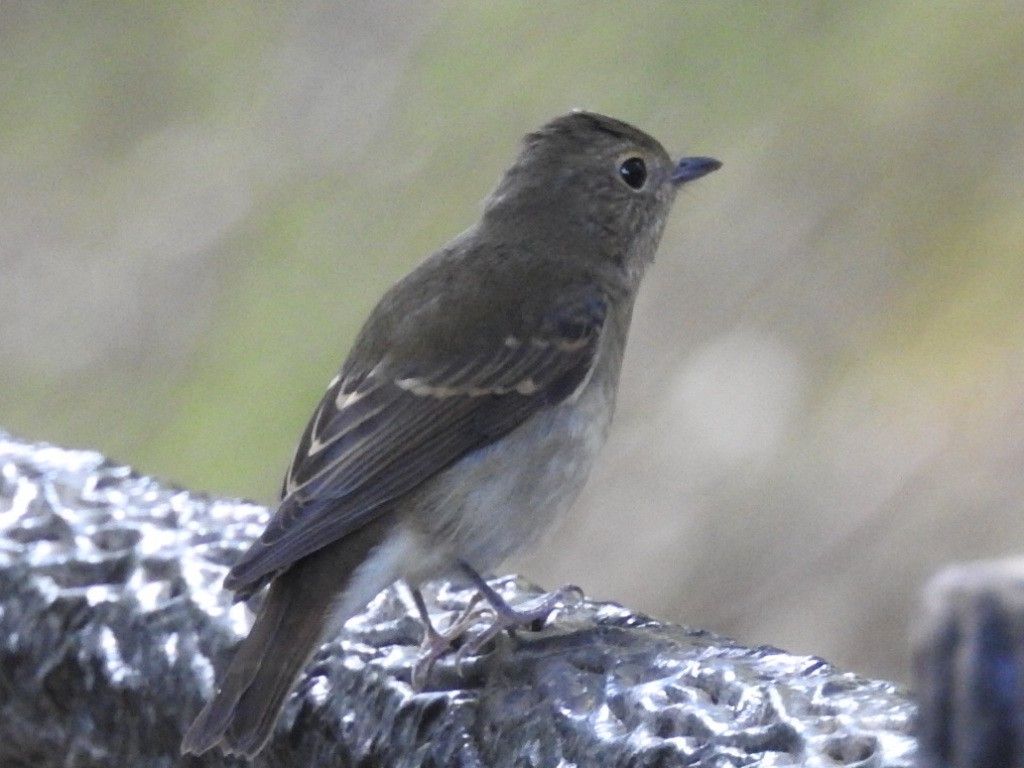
(969, 666)
(112, 623)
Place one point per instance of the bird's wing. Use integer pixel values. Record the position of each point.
(379, 433)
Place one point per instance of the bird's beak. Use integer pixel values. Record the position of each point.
(690, 168)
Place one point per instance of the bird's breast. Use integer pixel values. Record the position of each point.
(501, 498)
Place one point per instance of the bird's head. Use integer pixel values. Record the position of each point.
(588, 182)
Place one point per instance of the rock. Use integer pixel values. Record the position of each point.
(969, 666)
(113, 623)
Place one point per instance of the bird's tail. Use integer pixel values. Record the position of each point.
(299, 607)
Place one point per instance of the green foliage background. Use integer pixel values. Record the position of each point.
(203, 200)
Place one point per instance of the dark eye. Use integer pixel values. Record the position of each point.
(634, 172)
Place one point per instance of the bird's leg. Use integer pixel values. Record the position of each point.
(516, 618)
(508, 618)
(435, 644)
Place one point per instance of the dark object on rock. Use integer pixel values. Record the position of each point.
(113, 622)
(969, 667)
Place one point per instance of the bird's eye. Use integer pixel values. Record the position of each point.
(634, 172)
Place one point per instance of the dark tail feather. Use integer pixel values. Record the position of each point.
(293, 645)
(287, 631)
(245, 707)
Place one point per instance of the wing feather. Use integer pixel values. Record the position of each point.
(377, 435)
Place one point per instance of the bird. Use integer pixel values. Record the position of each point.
(467, 415)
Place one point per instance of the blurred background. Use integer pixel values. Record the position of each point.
(823, 399)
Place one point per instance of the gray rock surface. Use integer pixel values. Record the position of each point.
(113, 622)
(969, 666)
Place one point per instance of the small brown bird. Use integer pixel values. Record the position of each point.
(468, 413)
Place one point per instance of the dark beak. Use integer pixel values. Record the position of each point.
(690, 168)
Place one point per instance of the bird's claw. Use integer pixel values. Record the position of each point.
(435, 644)
(481, 621)
(534, 613)
(503, 617)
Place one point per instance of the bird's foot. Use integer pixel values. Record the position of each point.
(436, 644)
(498, 616)
(485, 617)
